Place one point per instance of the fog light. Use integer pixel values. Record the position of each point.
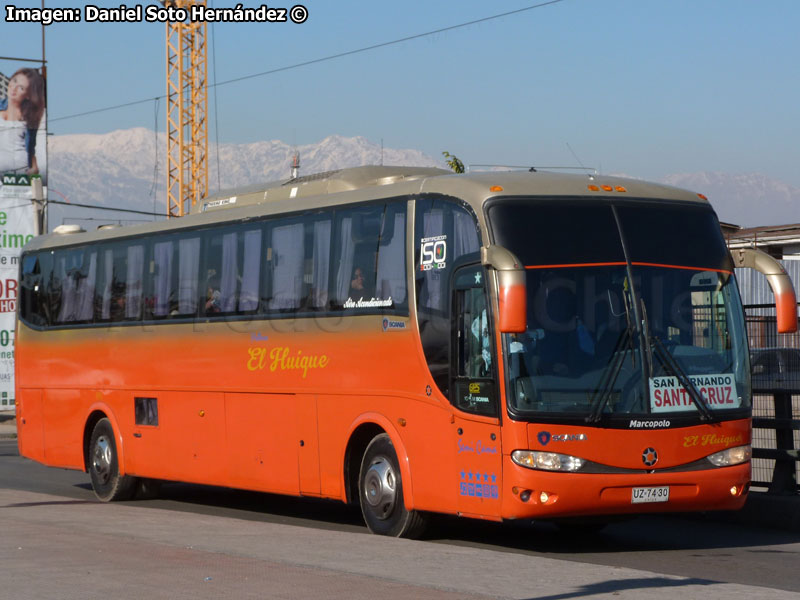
(525, 495)
(734, 490)
(544, 497)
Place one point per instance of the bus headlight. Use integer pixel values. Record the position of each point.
(731, 456)
(546, 461)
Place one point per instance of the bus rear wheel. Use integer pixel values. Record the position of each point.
(380, 488)
(107, 483)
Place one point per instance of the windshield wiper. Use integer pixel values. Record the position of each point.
(603, 391)
(674, 367)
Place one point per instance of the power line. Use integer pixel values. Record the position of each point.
(324, 59)
(99, 207)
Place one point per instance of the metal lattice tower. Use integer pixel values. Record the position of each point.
(187, 109)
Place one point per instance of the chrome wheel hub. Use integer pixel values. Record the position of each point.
(101, 461)
(380, 488)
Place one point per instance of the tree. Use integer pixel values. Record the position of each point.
(453, 162)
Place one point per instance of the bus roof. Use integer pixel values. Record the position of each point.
(361, 184)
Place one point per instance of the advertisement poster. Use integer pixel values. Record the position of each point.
(23, 158)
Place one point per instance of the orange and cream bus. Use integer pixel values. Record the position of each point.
(499, 345)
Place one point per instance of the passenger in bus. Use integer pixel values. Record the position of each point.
(117, 305)
(482, 357)
(213, 295)
(357, 290)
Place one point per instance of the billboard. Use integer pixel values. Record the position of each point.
(23, 122)
(23, 158)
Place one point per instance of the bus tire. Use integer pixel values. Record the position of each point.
(380, 490)
(107, 483)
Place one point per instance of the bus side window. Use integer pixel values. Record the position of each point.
(33, 307)
(286, 278)
(355, 252)
(391, 274)
(318, 267)
(444, 232)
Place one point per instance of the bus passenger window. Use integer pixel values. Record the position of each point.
(391, 275)
(355, 255)
(33, 307)
(163, 290)
(320, 264)
(287, 267)
(444, 232)
(133, 282)
(188, 275)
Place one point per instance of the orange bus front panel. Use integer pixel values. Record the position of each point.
(545, 495)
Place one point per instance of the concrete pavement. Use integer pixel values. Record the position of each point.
(58, 547)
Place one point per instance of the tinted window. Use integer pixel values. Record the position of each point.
(233, 270)
(318, 268)
(369, 258)
(286, 256)
(173, 277)
(351, 258)
(445, 233)
(36, 271)
(556, 232)
(571, 231)
(682, 234)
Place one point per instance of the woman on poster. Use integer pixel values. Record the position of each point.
(20, 114)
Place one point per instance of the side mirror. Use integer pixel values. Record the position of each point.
(779, 282)
(512, 292)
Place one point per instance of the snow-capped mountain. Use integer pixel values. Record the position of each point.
(126, 169)
(746, 199)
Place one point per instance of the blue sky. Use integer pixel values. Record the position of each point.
(641, 87)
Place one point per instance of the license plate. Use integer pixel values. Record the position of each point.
(640, 495)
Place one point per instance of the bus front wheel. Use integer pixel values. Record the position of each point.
(108, 484)
(381, 493)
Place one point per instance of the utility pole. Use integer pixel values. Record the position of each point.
(39, 207)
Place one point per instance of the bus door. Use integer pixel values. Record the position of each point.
(473, 393)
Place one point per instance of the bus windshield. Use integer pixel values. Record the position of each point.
(633, 311)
